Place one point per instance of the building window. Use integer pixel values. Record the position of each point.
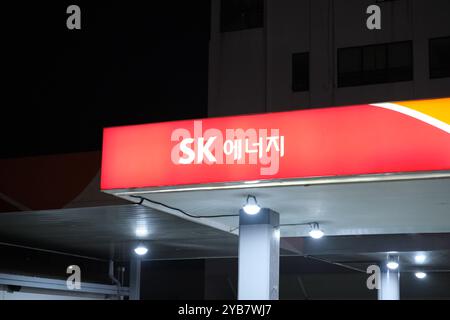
(380, 63)
(300, 71)
(440, 58)
(238, 15)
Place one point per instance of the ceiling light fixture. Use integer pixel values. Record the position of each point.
(420, 275)
(392, 263)
(420, 258)
(141, 231)
(251, 207)
(315, 232)
(141, 250)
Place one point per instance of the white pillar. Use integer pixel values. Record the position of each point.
(259, 255)
(390, 284)
(135, 278)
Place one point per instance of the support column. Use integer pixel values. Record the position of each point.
(259, 255)
(390, 284)
(135, 278)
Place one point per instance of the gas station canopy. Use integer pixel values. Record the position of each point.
(380, 168)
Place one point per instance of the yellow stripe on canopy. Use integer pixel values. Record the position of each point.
(436, 108)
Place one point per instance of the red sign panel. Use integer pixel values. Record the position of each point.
(355, 140)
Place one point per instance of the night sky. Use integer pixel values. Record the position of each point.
(132, 62)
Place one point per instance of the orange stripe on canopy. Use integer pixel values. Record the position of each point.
(436, 108)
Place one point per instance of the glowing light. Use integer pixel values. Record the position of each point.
(140, 250)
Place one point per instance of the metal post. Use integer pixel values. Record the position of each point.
(135, 278)
(259, 255)
(390, 284)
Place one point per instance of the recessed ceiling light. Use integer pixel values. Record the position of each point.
(420, 275)
(141, 250)
(141, 231)
(420, 258)
(392, 265)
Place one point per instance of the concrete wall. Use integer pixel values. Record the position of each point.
(250, 70)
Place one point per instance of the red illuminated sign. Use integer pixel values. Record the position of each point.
(357, 140)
